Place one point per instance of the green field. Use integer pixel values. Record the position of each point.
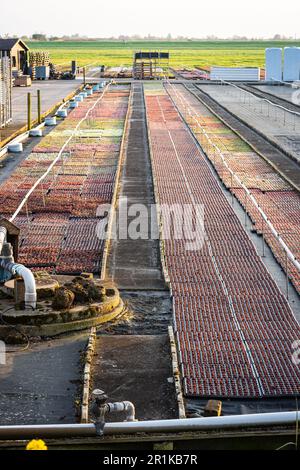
(187, 53)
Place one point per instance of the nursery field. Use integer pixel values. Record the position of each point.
(183, 53)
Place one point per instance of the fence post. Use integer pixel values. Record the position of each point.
(287, 274)
(84, 76)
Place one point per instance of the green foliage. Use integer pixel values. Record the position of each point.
(182, 53)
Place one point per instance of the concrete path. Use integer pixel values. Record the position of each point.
(135, 264)
(285, 92)
(138, 369)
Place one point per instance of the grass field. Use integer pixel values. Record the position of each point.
(187, 53)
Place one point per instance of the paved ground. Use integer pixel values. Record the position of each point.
(281, 128)
(52, 92)
(148, 313)
(40, 385)
(135, 264)
(138, 369)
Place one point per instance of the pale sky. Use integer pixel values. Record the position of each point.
(194, 18)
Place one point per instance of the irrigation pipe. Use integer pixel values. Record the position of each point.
(213, 424)
(17, 211)
(290, 255)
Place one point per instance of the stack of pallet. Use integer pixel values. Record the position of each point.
(38, 59)
(5, 91)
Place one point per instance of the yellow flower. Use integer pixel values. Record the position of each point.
(36, 444)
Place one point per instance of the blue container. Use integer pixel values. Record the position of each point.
(50, 121)
(73, 104)
(62, 113)
(15, 147)
(35, 133)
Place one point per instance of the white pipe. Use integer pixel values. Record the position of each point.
(36, 184)
(288, 418)
(29, 281)
(290, 255)
(260, 99)
(127, 406)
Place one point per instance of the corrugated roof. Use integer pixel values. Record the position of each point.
(8, 44)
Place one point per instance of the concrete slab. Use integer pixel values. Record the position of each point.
(285, 92)
(135, 264)
(138, 369)
(40, 385)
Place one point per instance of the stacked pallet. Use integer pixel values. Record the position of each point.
(5, 91)
(38, 59)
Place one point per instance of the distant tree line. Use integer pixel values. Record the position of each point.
(149, 37)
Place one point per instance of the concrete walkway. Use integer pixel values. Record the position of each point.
(135, 264)
(40, 385)
(138, 369)
(285, 92)
(52, 92)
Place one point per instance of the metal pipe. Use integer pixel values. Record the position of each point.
(172, 425)
(39, 106)
(28, 111)
(290, 255)
(29, 281)
(126, 406)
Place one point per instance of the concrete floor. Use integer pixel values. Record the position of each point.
(281, 129)
(138, 369)
(148, 313)
(285, 92)
(40, 385)
(52, 92)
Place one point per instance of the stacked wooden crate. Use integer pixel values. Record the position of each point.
(5, 91)
(37, 59)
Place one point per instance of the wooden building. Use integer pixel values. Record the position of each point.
(17, 51)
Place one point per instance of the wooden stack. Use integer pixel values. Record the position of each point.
(36, 59)
(5, 91)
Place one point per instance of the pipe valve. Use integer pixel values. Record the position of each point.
(101, 408)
